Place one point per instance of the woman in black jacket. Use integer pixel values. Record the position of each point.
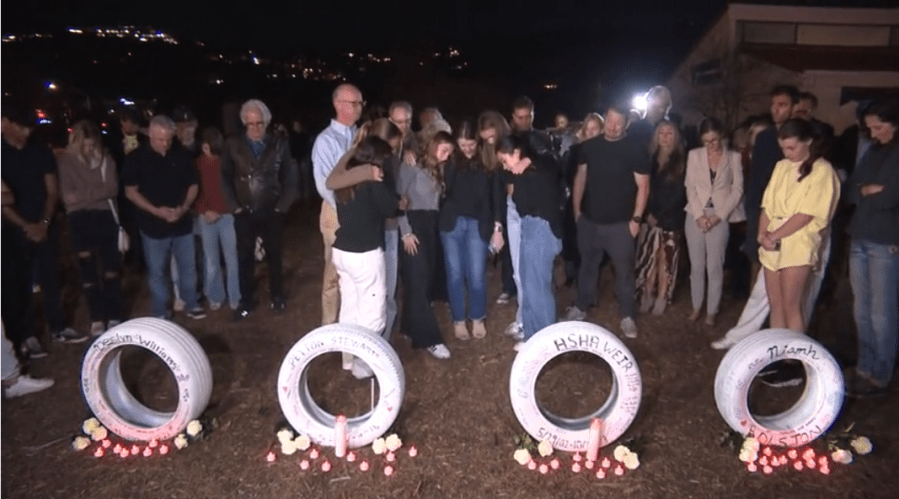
(470, 218)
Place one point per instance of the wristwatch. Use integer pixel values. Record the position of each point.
(638, 219)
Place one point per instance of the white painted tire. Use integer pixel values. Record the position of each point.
(116, 408)
(813, 413)
(571, 434)
(306, 417)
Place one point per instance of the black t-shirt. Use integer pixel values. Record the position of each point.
(164, 181)
(667, 199)
(362, 218)
(611, 190)
(23, 172)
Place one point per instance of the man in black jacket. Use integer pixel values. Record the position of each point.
(259, 180)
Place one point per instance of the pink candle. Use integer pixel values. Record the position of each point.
(593, 440)
(340, 436)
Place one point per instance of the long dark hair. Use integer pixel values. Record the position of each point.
(800, 129)
(673, 168)
(372, 150)
(466, 131)
(509, 143)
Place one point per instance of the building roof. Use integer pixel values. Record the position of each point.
(801, 58)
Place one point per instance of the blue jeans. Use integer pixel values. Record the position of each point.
(874, 275)
(513, 228)
(391, 265)
(220, 239)
(536, 268)
(156, 254)
(465, 254)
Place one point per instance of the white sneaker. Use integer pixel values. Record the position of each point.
(574, 314)
(440, 351)
(629, 327)
(361, 370)
(723, 344)
(97, 328)
(178, 305)
(26, 384)
(515, 330)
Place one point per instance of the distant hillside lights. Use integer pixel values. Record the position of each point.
(126, 32)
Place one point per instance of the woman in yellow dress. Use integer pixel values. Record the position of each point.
(797, 206)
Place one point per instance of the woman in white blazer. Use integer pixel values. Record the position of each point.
(714, 183)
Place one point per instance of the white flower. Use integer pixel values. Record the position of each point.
(90, 425)
(631, 461)
(620, 453)
(379, 446)
(80, 443)
(393, 442)
(748, 455)
(522, 456)
(285, 434)
(99, 433)
(194, 428)
(545, 448)
(288, 447)
(180, 441)
(842, 456)
(302, 442)
(751, 443)
(862, 446)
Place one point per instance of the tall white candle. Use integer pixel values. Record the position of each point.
(340, 436)
(593, 440)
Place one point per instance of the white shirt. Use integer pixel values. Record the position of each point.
(330, 145)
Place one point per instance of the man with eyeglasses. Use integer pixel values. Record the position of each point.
(259, 183)
(330, 145)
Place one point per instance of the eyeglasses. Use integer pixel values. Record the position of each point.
(401, 122)
(255, 124)
(360, 103)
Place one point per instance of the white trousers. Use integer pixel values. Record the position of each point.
(363, 288)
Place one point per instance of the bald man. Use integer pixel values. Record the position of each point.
(332, 143)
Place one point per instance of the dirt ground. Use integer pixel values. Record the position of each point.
(456, 412)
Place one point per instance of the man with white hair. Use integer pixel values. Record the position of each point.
(259, 183)
(330, 145)
(161, 181)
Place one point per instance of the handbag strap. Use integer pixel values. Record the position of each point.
(115, 214)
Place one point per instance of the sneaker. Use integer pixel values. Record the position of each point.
(573, 313)
(32, 349)
(782, 374)
(659, 306)
(439, 351)
(196, 314)
(861, 387)
(629, 327)
(478, 330)
(215, 305)
(515, 330)
(97, 328)
(361, 370)
(25, 384)
(724, 344)
(460, 330)
(179, 305)
(503, 298)
(68, 335)
(278, 306)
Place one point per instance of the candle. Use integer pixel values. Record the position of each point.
(351, 456)
(105, 443)
(413, 451)
(391, 456)
(593, 440)
(270, 457)
(163, 449)
(363, 466)
(388, 470)
(313, 453)
(148, 452)
(576, 468)
(340, 436)
(326, 466)
(99, 452)
(600, 473)
(304, 465)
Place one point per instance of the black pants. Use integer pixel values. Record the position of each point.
(594, 241)
(418, 320)
(93, 238)
(18, 321)
(270, 226)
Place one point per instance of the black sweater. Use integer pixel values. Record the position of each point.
(362, 218)
(876, 216)
(537, 193)
(471, 192)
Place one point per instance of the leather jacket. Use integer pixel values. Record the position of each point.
(261, 184)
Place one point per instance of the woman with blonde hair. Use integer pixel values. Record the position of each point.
(88, 186)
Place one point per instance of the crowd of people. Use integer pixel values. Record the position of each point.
(430, 206)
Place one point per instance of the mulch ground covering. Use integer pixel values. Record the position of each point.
(456, 412)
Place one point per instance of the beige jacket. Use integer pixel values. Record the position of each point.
(726, 193)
